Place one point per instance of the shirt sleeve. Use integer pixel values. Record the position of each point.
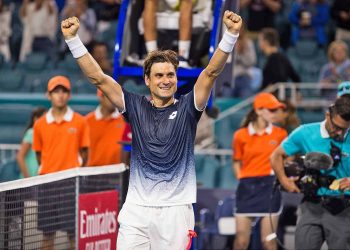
(28, 136)
(132, 104)
(37, 140)
(293, 143)
(237, 146)
(192, 109)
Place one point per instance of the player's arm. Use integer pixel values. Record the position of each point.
(236, 167)
(206, 79)
(84, 153)
(89, 66)
(276, 159)
(20, 157)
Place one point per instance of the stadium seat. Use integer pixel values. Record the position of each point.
(225, 128)
(225, 177)
(14, 114)
(11, 134)
(69, 65)
(9, 171)
(35, 62)
(206, 172)
(309, 116)
(11, 80)
(307, 58)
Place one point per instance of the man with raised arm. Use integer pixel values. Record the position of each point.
(157, 213)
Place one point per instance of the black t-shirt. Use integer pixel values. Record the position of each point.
(260, 16)
(337, 7)
(278, 69)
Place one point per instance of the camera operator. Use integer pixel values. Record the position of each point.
(325, 216)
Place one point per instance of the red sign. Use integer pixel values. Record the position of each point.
(98, 226)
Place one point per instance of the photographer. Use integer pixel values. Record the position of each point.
(325, 213)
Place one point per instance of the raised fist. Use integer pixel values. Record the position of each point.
(70, 27)
(232, 21)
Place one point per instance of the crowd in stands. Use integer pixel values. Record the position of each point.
(301, 35)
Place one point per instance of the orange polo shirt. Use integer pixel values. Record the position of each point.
(254, 150)
(105, 135)
(59, 143)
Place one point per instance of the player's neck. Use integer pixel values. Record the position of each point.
(162, 103)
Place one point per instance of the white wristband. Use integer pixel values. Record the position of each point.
(76, 47)
(228, 41)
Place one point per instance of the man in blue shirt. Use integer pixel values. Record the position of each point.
(326, 216)
(157, 213)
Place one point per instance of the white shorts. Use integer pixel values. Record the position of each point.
(155, 228)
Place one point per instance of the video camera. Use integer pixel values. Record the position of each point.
(307, 169)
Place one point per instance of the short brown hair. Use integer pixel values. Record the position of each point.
(270, 35)
(341, 107)
(159, 56)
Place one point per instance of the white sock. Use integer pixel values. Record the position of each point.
(151, 46)
(184, 48)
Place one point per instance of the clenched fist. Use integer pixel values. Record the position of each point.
(70, 27)
(232, 21)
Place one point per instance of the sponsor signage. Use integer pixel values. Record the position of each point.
(98, 226)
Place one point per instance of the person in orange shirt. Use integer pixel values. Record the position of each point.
(61, 141)
(252, 146)
(106, 130)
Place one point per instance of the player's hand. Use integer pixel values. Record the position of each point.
(232, 21)
(70, 27)
(289, 184)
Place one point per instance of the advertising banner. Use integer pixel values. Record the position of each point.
(98, 226)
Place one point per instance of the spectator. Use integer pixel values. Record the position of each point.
(87, 17)
(5, 31)
(205, 128)
(261, 14)
(61, 138)
(252, 146)
(106, 130)
(336, 70)
(244, 60)
(106, 12)
(309, 18)
(340, 12)
(26, 158)
(99, 51)
(277, 67)
(137, 44)
(36, 35)
(287, 117)
(185, 27)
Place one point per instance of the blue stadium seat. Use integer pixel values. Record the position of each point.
(14, 114)
(11, 80)
(309, 116)
(9, 171)
(225, 177)
(307, 58)
(35, 63)
(206, 172)
(11, 133)
(225, 128)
